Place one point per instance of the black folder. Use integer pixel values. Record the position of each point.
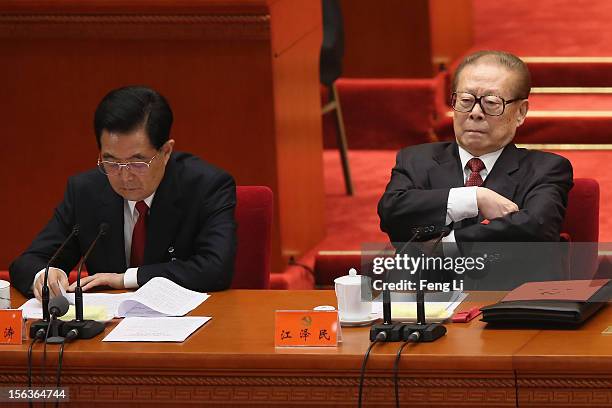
(548, 311)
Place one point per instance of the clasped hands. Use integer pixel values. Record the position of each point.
(57, 278)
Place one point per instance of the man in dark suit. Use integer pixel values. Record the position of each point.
(481, 188)
(168, 214)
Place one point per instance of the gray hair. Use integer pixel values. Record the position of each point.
(504, 59)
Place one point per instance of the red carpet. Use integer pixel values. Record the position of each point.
(352, 221)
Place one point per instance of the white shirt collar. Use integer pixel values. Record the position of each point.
(148, 201)
(488, 159)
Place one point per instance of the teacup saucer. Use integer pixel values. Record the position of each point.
(359, 322)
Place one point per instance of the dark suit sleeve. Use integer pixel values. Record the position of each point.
(408, 206)
(24, 268)
(211, 266)
(541, 214)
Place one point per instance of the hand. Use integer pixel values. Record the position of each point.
(492, 205)
(55, 279)
(114, 280)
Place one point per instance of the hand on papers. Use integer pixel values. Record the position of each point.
(56, 278)
(113, 280)
(492, 205)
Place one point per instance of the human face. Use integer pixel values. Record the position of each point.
(479, 133)
(134, 146)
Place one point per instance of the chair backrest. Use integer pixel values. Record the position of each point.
(581, 224)
(254, 206)
(332, 47)
(582, 214)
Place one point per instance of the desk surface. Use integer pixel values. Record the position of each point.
(232, 359)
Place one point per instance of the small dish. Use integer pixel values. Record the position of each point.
(360, 322)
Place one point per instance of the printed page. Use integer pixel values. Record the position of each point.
(158, 297)
(161, 296)
(157, 329)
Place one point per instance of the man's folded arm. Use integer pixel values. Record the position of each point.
(211, 267)
(539, 219)
(406, 208)
(23, 269)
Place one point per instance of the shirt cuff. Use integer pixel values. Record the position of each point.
(42, 271)
(130, 278)
(462, 203)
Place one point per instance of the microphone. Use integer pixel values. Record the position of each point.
(58, 306)
(397, 332)
(392, 331)
(44, 324)
(423, 331)
(85, 329)
(45, 288)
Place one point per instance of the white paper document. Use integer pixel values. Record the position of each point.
(157, 297)
(175, 329)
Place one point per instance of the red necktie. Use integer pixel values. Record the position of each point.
(139, 236)
(476, 166)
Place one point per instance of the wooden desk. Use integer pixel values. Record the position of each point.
(232, 361)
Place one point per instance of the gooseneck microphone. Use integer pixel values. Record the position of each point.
(45, 288)
(86, 329)
(392, 331)
(78, 292)
(44, 324)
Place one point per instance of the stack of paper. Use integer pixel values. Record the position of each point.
(156, 329)
(150, 312)
(158, 297)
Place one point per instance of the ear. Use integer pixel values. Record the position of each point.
(167, 149)
(521, 112)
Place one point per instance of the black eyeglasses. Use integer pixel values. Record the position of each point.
(491, 105)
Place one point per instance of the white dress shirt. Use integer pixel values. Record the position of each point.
(130, 217)
(462, 202)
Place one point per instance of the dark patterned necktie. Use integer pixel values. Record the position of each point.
(139, 236)
(476, 166)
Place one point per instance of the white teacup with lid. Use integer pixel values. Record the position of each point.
(5, 294)
(351, 306)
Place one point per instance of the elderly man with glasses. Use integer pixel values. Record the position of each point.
(168, 214)
(481, 187)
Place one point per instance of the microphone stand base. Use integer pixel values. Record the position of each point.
(86, 328)
(54, 331)
(429, 332)
(393, 331)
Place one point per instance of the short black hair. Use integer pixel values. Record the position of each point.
(504, 59)
(129, 108)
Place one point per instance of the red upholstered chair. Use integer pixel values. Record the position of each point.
(254, 219)
(582, 215)
(581, 227)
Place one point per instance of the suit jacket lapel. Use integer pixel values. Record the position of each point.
(448, 173)
(164, 216)
(113, 244)
(499, 179)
